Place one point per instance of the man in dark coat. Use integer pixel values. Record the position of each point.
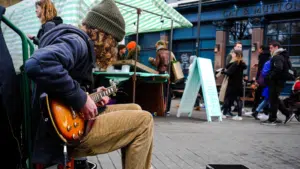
(263, 57)
(237, 46)
(280, 64)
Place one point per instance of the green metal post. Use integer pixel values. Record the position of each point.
(31, 46)
(26, 96)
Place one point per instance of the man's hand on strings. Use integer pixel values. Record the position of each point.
(100, 89)
(89, 110)
(104, 99)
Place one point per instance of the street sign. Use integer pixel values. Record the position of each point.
(201, 74)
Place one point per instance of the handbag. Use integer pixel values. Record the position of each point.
(177, 71)
(261, 80)
(223, 89)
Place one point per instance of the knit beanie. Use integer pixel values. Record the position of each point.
(107, 17)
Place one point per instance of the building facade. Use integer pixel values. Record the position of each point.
(252, 22)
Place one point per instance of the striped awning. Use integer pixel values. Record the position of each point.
(73, 11)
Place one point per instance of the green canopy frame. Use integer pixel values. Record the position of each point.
(138, 11)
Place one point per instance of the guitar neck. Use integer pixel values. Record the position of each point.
(98, 95)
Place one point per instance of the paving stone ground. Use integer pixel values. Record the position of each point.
(193, 143)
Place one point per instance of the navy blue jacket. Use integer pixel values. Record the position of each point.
(61, 67)
(63, 64)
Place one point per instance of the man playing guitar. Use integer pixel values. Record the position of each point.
(62, 67)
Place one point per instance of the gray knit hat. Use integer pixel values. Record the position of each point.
(107, 17)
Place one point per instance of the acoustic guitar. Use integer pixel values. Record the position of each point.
(69, 124)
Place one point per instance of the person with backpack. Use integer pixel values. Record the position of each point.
(46, 12)
(265, 91)
(276, 78)
(263, 57)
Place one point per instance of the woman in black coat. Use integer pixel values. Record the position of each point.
(46, 12)
(234, 71)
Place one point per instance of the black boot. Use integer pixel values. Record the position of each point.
(254, 114)
(83, 163)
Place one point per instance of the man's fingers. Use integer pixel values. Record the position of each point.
(99, 89)
(96, 113)
(101, 103)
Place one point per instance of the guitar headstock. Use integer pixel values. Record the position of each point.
(113, 85)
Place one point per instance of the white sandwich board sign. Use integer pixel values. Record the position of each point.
(201, 74)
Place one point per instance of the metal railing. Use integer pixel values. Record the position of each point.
(27, 49)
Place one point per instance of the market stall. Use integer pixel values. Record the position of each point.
(140, 17)
(149, 89)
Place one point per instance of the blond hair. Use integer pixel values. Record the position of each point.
(239, 56)
(161, 43)
(48, 10)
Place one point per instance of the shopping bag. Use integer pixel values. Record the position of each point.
(223, 89)
(177, 71)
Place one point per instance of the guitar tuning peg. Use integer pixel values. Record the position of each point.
(111, 82)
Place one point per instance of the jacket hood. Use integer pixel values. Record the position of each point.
(279, 51)
(57, 20)
(264, 55)
(61, 31)
(242, 64)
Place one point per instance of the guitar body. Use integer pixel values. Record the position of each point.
(69, 125)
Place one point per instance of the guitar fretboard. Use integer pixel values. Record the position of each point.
(98, 95)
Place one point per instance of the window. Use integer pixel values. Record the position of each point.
(288, 34)
(240, 31)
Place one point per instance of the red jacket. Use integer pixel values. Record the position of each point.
(296, 86)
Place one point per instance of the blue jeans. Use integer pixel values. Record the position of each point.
(262, 105)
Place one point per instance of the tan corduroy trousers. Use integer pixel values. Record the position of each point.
(121, 126)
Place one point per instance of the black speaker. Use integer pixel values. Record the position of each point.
(83, 163)
(226, 166)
